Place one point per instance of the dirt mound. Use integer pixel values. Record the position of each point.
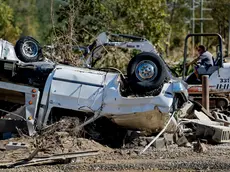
(63, 142)
(62, 137)
(65, 136)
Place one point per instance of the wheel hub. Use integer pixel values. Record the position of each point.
(30, 49)
(146, 70)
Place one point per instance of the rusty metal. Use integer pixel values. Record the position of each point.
(205, 92)
(214, 102)
(197, 89)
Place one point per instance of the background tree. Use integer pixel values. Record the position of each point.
(69, 22)
(26, 16)
(178, 20)
(220, 23)
(8, 30)
(81, 21)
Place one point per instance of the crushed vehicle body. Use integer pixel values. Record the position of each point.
(141, 100)
(99, 93)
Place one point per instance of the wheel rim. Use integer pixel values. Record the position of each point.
(30, 49)
(146, 71)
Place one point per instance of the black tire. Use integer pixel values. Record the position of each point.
(28, 49)
(150, 84)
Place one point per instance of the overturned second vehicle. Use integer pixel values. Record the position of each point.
(141, 100)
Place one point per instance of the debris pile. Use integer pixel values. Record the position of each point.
(65, 136)
(199, 123)
(64, 140)
(61, 139)
(195, 127)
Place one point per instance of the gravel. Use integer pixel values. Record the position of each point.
(174, 158)
(170, 158)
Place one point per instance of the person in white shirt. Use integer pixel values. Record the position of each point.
(204, 60)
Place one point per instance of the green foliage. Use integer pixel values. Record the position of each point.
(164, 22)
(220, 23)
(33, 17)
(81, 21)
(143, 17)
(178, 20)
(79, 16)
(8, 30)
(25, 16)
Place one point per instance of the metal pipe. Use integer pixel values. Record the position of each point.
(159, 134)
(185, 57)
(193, 27)
(228, 52)
(205, 92)
(201, 21)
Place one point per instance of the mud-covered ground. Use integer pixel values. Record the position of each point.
(170, 158)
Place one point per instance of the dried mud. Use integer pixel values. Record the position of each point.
(63, 138)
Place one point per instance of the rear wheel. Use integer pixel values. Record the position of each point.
(28, 49)
(146, 72)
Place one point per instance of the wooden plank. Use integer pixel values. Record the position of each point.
(33, 154)
(37, 163)
(65, 156)
(48, 159)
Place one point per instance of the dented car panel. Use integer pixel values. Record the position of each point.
(7, 51)
(151, 121)
(98, 92)
(126, 105)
